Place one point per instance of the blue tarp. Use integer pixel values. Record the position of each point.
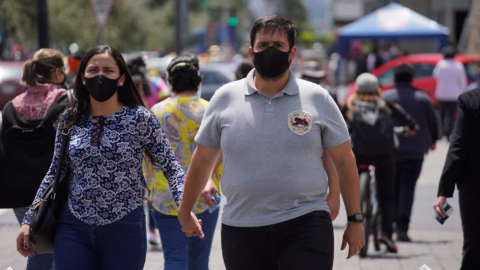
(392, 21)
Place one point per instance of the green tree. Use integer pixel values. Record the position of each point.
(20, 21)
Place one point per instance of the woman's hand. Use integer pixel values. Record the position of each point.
(23, 241)
(210, 188)
(191, 226)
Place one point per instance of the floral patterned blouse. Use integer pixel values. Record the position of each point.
(180, 118)
(106, 155)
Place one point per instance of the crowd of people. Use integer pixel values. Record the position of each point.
(281, 147)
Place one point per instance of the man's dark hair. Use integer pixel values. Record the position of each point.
(449, 52)
(404, 73)
(183, 73)
(273, 23)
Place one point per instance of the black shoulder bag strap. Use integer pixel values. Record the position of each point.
(58, 173)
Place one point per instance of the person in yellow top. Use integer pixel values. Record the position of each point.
(180, 117)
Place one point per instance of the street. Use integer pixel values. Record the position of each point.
(438, 246)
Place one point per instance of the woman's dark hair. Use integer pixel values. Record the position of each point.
(273, 23)
(184, 73)
(127, 93)
(404, 73)
(38, 70)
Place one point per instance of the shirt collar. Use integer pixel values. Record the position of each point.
(291, 88)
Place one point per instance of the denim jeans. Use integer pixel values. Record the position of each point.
(39, 261)
(182, 252)
(119, 245)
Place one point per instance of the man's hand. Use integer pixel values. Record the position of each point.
(23, 241)
(191, 226)
(433, 147)
(438, 205)
(333, 202)
(209, 189)
(355, 237)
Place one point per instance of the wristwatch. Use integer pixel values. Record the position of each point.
(358, 218)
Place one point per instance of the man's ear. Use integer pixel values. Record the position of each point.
(293, 54)
(250, 52)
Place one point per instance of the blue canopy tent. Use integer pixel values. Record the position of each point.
(392, 22)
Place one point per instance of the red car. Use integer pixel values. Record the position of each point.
(424, 65)
(10, 76)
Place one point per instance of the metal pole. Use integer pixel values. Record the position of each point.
(181, 26)
(43, 40)
(100, 36)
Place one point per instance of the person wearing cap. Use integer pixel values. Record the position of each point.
(368, 91)
(412, 149)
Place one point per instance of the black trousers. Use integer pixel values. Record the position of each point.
(301, 243)
(447, 116)
(470, 214)
(385, 173)
(407, 173)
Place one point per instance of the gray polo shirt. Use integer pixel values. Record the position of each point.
(272, 149)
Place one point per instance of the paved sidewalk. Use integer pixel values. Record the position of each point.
(440, 247)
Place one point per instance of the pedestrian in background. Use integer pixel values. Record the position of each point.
(27, 137)
(461, 169)
(243, 69)
(370, 118)
(180, 116)
(102, 225)
(412, 149)
(273, 131)
(451, 82)
(73, 64)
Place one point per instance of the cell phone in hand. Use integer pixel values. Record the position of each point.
(448, 209)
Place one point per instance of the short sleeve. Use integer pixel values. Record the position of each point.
(334, 129)
(209, 133)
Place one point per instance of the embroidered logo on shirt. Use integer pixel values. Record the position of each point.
(300, 122)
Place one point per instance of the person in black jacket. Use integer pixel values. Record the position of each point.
(461, 169)
(410, 153)
(27, 137)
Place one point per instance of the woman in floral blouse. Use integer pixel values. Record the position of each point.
(102, 225)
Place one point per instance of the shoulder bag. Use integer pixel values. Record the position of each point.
(47, 209)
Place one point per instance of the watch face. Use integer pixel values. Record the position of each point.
(359, 217)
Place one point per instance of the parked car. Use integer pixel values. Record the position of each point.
(214, 77)
(10, 76)
(423, 65)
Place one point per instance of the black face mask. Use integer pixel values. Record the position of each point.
(64, 80)
(271, 62)
(101, 88)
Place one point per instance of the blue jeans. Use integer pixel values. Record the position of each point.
(39, 261)
(118, 245)
(182, 252)
(407, 173)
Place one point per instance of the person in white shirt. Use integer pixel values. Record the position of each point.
(451, 82)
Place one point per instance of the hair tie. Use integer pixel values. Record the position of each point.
(182, 64)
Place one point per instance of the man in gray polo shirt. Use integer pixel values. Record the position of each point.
(272, 131)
